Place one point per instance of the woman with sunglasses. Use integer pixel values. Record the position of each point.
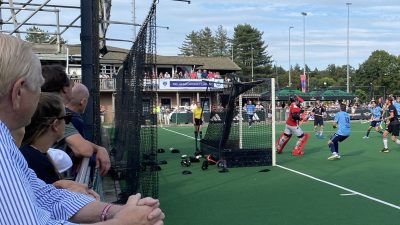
(46, 128)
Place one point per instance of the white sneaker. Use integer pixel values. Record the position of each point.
(365, 137)
(334, 157)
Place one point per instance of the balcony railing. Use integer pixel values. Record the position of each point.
(106, 84)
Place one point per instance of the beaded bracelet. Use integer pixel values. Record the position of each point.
(103, 216)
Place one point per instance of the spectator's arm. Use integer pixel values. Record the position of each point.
(80, 146)
(76, 187)
(136, 211)
(102, 159)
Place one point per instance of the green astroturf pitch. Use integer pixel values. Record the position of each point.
(363, 187)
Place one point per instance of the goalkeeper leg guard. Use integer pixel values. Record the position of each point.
(282, 141)
(298, 149)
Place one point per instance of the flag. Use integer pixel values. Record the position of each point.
(303, 82)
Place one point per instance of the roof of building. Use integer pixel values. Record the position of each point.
(117, 55)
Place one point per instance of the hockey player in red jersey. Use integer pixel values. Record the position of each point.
(292, 128)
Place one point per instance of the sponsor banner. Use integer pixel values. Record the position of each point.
(189, 84)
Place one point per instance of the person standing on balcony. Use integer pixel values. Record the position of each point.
(167, 75)
(193, 74)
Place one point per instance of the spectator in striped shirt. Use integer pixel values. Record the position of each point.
(24, 198)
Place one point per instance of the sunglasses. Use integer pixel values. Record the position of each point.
(67, 117)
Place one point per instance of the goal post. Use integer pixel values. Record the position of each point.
(231, 138)
(273, 121)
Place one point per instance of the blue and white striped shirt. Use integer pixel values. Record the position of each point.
(24, 198)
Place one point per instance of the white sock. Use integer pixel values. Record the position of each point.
(398, 141)
(320, 133)
(385, 143)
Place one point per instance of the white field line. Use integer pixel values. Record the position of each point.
(178, 133)
(341, 187)
(351, 192)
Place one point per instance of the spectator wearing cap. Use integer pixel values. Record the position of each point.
(61, 160)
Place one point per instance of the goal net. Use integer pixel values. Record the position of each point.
(232, 136)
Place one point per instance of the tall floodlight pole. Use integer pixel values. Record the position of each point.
(348, 34)
(134, 19)
(290, 65)
(252, 62)
(304, 48)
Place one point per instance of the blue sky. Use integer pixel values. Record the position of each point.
(374, 25)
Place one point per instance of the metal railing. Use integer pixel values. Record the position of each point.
(106, 84)
(93, 180)
(109, 84)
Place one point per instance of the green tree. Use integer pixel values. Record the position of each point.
(295, 76)
(37, 36)
(40, 36)
(362, 95)
(199, 43)
(190, 46)
(339, 73)
(249, 49)
(380, 69)
(207, 42)
(221, 42)
(326, 82)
